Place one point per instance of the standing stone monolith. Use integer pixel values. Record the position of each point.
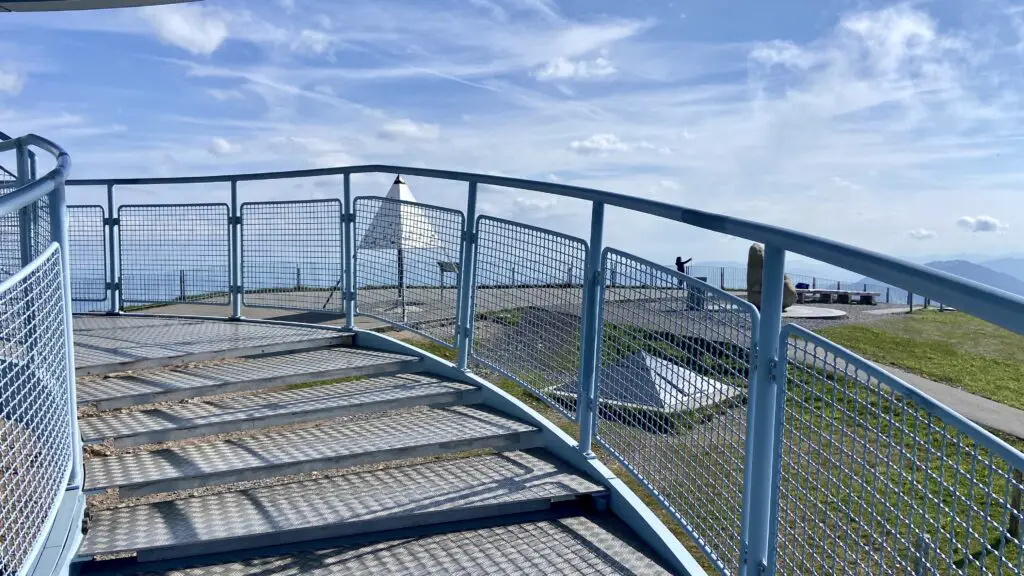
(755, 269)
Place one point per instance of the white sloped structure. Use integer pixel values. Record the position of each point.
(399, 225)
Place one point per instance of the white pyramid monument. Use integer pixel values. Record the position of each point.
(400, 225)
(648, 382)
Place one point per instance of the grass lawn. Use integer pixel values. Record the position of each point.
(949, 347)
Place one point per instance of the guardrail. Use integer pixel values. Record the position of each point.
(774, 450)
(40, 451)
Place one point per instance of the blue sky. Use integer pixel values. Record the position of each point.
(895, 127)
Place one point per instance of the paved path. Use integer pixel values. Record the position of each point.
(982, 411)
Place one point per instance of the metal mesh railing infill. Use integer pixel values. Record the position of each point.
(672, 389)
(292, 255)
(529, 330)
(24, 235)
(877, 478)
(88, 253)
(174, 253)
(35, 416)
(407, 258)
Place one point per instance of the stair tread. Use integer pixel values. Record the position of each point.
(572, 546)
(409, 492)
(250, 407)
(158, 383)
(331, 441)
(109, 343)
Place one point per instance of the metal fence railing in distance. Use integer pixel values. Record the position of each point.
(672, 388)
(24, 235)
(877, 478)
(407, 258)
(35, 413)
(530, 330)
(88, 253)
(174, 253)
(292, 255)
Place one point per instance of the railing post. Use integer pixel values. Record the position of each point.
(760, 481)
(59, 234)
(590, 339)
(114, 285)
(348, 267)
(464, 322)
(235, 235)
(27, 213)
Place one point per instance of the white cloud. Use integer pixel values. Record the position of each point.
(563, 69)
(313, 41)
(222, 147)
(921, 234)
(11, 82)
(193, 27)
(225, 95)
(406, 129)
(599, 144)
(981, 224)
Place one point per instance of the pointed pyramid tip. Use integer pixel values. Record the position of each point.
(398, 179)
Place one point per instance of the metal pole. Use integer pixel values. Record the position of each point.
(814, 282)
(349, 264)
(760, 482)
(590, 339)
(59, 234)
(886, 294)
(401, 280)
(1015, 505)
(721, 279)
(114, 287)
(467, 260)
(26, 213)
(181, 286)
(236, 254)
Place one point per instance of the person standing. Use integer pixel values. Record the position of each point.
(681, 267)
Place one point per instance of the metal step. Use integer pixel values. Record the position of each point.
(357, 503)
(250, 373)
(394, 436)
(575, 545)
(106, 344)
(266, 409)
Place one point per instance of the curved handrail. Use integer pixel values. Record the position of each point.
(32, 191)
(991, 304)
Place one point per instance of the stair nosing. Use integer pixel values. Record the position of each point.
(518, 436)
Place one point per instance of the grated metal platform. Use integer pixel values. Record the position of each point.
(168, 384)
(393, 436)
(572, 546)
(105, 344)
(262, 410)
(415, 495)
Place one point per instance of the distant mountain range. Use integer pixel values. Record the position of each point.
(995, 274)
(1012, 266)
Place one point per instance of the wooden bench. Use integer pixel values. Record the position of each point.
(832, 296)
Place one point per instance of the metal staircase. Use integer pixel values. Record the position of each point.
(354, 459)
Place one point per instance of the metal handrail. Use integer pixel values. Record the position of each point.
(36, 189)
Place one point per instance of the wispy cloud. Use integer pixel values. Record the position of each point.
(196, 28)
(921, 234)
(981, 224)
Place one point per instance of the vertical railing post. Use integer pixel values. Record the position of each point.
(26, 213)
(590, 339)
(348, 266)
(235, 235)
(467, 260)
(760, 481)
(114, 282)
(59, 234)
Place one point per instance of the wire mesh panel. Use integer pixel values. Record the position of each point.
(87, 253)
(529, 329)
(35, 418)
(878, 479)
(672, 392)
(24, 235)
(174, 253)
(407, 257)
(291, 255)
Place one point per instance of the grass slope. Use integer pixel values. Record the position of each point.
(949, 347)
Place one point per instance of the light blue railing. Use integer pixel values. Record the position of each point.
(40, 452)
(775, 451)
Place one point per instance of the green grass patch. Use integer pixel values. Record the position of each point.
(949, 347)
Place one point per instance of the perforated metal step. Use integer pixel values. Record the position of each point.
(105, 344)
(570, 546)
(417, 495)
(262, 410)
(178, 383)
(393, 436)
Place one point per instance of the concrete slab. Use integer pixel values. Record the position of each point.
(813, 312)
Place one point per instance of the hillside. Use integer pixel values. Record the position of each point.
(981, 274)
(1012, 266)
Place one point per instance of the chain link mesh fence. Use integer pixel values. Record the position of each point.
(529, 329)
(87, 253)
(291, 255)
(407, 262)
(24, 235)
(174, 253)
(35, 418)
(874, 481)
(672, 393)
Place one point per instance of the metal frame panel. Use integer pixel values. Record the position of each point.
(87, 235)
